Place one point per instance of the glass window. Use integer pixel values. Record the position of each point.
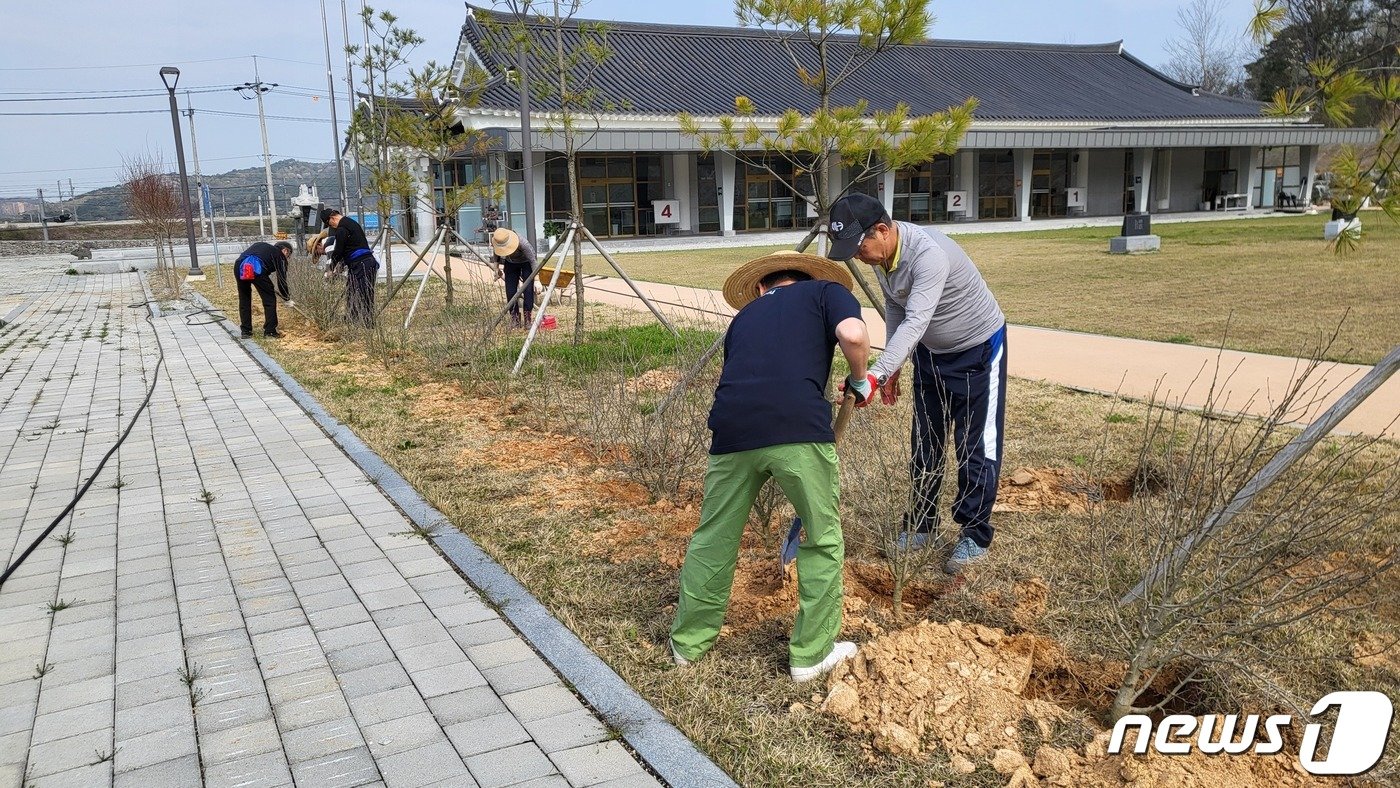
(996, 183)
(918, 191)
(621, 193)
(619, 166)
(593, 167)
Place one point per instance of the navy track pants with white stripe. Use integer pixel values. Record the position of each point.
(966, 390)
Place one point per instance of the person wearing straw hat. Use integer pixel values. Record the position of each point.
(771, 419)
(514, 259)
(939, 310)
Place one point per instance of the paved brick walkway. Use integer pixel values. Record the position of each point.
(238, 604)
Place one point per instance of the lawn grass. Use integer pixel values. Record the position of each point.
(1268, 285)
(507, 466)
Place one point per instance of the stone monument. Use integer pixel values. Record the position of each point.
(1136, 236)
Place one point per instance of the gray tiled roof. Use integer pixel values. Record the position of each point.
(666, 69)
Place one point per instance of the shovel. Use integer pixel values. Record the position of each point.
(843, 415)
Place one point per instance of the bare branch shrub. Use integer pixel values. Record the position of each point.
(154, 199)
(771, 515)
(658, 451)
(878, 497)
(1316, 545)
(320, 298)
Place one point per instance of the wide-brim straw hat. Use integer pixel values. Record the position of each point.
(504, 242)
(314, 240)
(742, 286)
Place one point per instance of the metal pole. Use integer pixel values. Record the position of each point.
(195, 272)
(350, 96)
(213, 232)
(527, 154)
(44, 220)
(74, 208)
(374, 111)
(262, 229)
(335, 123)
(194, 154)
(267, 156)
(223, 208)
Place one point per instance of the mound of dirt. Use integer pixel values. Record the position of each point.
(965, 689)
(1042, 489)
(954, 686)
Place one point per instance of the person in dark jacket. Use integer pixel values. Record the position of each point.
(515, 261)
(352, 251)
(254, 269)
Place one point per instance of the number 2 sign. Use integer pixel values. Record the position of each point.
(667, 211)
(957, 202)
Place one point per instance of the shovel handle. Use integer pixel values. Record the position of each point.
(844, 415)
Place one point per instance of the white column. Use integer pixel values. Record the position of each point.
(967, 182)
(1080, 175)
(682, 189)
(1024, 159)
(887, 190)
(1142, 172)
(423, 208)
(1307, 162)
(1252, 178)
(538, 177)
(726, 164)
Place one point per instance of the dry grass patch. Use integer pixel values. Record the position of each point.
(514, 463)
(1269, 285)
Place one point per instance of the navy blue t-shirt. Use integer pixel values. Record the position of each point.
(777, 360)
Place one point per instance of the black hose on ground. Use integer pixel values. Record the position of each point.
(98, 472)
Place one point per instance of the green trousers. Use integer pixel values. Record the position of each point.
(809, 476)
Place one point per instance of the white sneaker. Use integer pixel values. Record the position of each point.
(841, 650)
(681, 662)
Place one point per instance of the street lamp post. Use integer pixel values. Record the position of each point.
(171, 76)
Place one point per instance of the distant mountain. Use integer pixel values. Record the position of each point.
(235, 191)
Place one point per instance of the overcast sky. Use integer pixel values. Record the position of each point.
(87, 47)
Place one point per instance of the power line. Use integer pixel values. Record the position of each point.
(150, 94)
(115, 166)
(163, 63)
(85, 112)
(153, 111)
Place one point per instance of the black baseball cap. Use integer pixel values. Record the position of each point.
(326, 214)
(851, 217)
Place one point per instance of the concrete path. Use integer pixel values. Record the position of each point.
(233, 602)
(1245, 382)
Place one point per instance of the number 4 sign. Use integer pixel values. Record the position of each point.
(667, 211)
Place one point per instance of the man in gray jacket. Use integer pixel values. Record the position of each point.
(939, 310)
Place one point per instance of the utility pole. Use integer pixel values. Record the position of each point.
(44, 220)
(350, 94)
(527, 155)
(257, 88)
(198, 180)
(262, 229)
(374, 114)
(73, 208)
(335, 124)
